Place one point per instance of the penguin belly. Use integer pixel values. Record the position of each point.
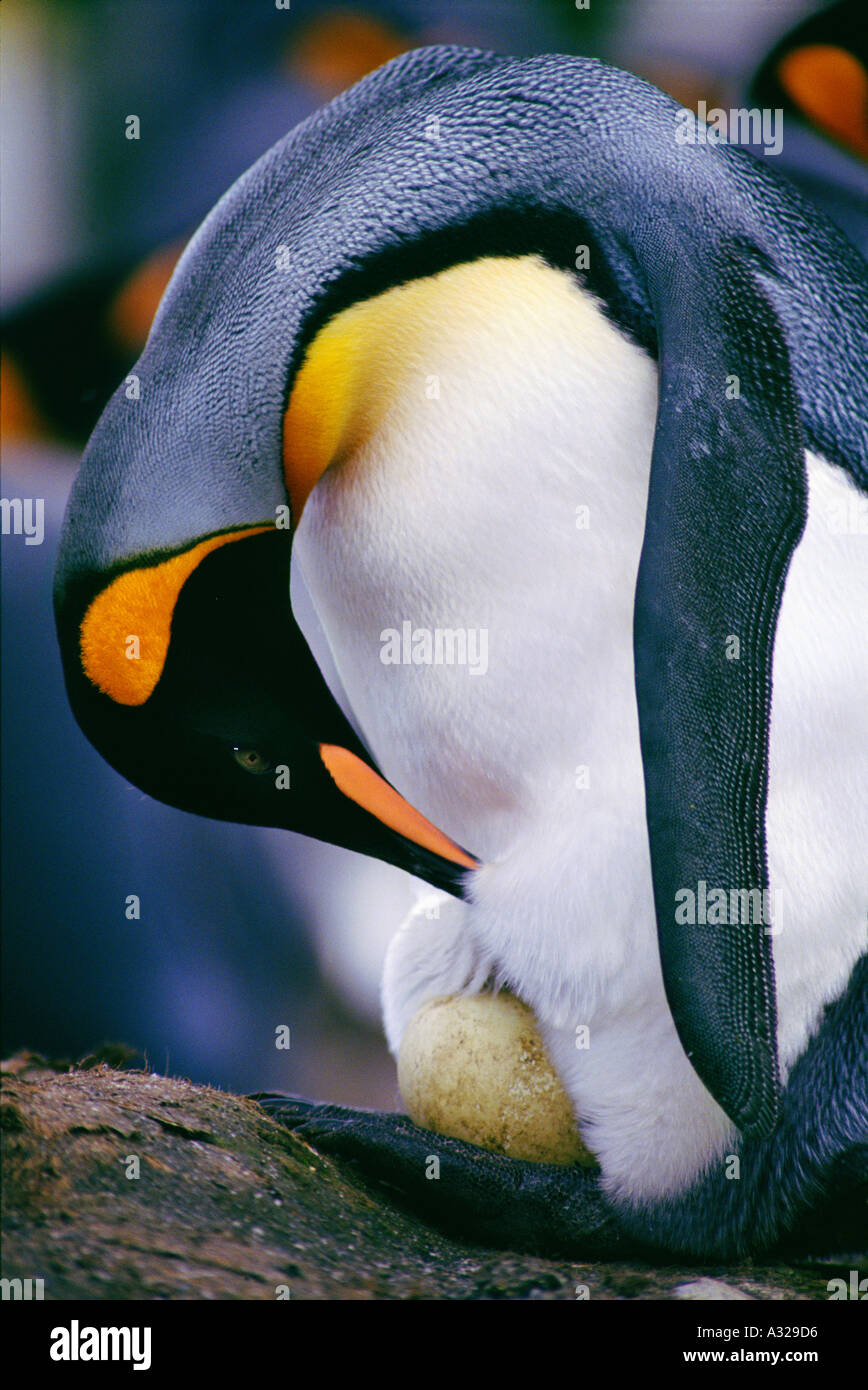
(502, 496)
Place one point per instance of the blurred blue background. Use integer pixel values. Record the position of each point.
(240, 930)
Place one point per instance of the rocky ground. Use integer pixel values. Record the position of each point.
(123, 1184)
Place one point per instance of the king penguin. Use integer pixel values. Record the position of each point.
(564, 421)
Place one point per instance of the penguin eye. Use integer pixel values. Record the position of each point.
(250, 760)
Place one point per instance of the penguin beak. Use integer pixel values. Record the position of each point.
(224, 692)
(359, 782)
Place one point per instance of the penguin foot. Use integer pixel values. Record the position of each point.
(467, 1191)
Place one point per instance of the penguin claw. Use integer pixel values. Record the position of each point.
(290, 1109)
(465, 1190)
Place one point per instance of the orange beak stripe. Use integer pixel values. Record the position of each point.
(364, 786)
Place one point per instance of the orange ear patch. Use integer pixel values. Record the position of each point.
(831, 86)
(364, 786)
(125, 631)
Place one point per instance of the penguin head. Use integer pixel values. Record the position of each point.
(191, 677)
(183, 661)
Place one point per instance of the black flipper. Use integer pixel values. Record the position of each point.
(726, 507)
